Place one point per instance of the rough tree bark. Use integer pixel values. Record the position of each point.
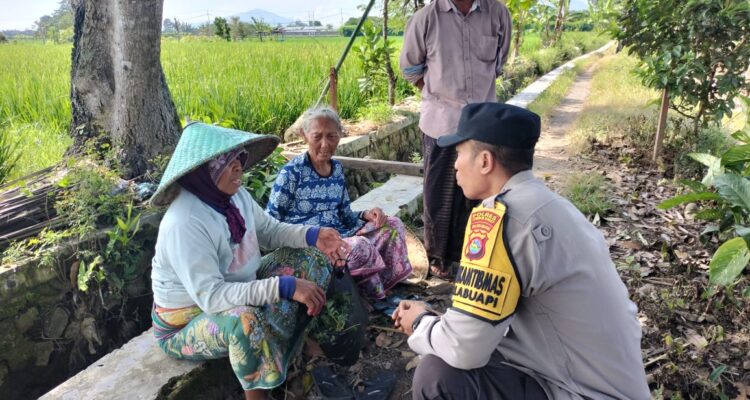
(118, 91)
(388, 67)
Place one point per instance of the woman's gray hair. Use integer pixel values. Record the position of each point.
(321, 112)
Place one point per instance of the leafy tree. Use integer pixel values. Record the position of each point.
(725, 195)
(237, 28)
(603, 13)
(520, 10)
(221, 28)
(696, 50)
(3, 39)
(260, 28)
(541, 15)
(563, 7)
(57, 27)
(168, 26)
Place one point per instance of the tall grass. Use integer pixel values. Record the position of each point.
(259, 86)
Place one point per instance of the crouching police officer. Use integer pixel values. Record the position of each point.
(539, 311)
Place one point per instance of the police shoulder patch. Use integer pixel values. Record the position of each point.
(487, 285)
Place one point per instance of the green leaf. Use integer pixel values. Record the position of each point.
(742, 136)
(742, 231)
(687, 198)
(716, 373)
(728, 262)
(83, 277)
(735, 189)
(712, 162)
(710, 214)
(692, 185)
(736, 154)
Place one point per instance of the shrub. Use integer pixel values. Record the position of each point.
(547, 59)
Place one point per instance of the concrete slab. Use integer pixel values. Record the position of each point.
(400, 195)
(137, 370)
(531, 92)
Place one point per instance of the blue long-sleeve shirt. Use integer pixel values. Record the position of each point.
(301, 196)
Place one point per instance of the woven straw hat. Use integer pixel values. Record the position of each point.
(200, 143)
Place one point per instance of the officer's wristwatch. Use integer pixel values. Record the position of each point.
(417, 320)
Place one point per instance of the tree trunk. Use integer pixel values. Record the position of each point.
(517, 38)
(388, 67)
(562, 12)
(118, 91)
(659, 139)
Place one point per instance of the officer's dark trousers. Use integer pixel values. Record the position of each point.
(446, 210)
(434, 379)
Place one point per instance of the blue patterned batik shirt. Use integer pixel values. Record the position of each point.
(301, 196)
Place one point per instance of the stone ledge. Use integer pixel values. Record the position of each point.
(531, 92)
(137, 370)
(399, 196)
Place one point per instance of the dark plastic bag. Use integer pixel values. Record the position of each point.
(341, 328)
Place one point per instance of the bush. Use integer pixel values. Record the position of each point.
(515, 77)
(547, 59)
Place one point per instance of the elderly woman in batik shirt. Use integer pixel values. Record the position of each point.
(214, 295)
(311, 190)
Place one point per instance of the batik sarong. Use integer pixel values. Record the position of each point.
(378, 259)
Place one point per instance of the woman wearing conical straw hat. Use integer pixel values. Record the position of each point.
(214, 295)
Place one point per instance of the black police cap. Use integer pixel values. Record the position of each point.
(498, 124)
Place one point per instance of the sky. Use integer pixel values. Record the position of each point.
(22, 14)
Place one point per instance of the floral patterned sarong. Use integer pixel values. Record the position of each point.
(261, 341)
(378, 259)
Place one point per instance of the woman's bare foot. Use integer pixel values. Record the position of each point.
(257, 394)
(312, 349)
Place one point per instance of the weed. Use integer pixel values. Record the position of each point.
(588, 192)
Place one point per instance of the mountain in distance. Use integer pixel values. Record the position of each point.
(267, 17)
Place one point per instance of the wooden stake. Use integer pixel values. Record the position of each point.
(662, 125)
(333, 89)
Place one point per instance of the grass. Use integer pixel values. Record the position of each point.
(259, 86)
(588, 192)
(551, 98)
(621, 112)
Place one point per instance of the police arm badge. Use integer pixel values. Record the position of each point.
(487, 285)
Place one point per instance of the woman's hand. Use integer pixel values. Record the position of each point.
(376, 216)
(310, 295)
(330, 243)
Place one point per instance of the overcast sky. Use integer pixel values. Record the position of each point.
(22, 14)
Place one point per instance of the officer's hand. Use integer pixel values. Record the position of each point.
(311, 295)
(407, 311)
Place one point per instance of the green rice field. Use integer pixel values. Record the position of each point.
(258, 86)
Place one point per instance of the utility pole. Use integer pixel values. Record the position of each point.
(208, 24)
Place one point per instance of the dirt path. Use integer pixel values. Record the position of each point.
(551, 160)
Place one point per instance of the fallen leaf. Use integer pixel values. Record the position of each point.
(413, 363)
(383, 340)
